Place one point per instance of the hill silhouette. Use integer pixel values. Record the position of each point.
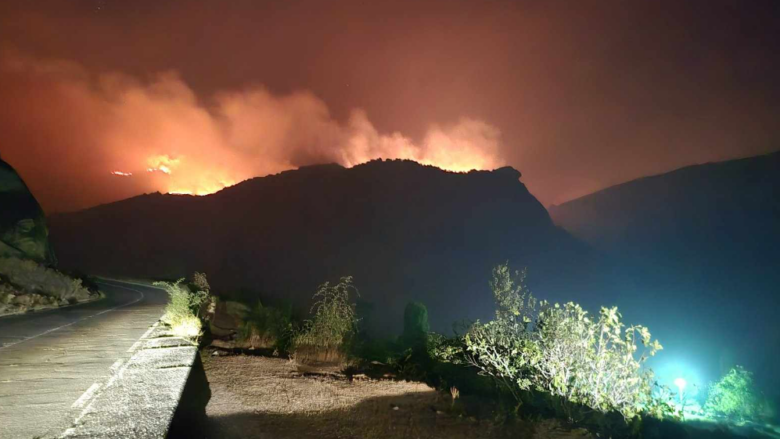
(404, 231)
(702, 245)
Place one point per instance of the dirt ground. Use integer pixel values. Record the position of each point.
(261, 397)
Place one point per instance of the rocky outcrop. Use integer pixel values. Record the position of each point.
(26, 285)
(23, 231)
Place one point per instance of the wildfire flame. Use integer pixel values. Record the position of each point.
(158, 135)
(195, 179)
(192, 177)
(162, 163)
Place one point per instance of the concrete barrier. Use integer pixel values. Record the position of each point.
(161, 391)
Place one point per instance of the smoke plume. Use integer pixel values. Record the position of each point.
(87, 138)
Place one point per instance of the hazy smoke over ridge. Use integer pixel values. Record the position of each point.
(99, 138)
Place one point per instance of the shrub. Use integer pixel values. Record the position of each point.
(592, 361)
(267, 327)
(200, 282)
(31, 277)
(187, 326)
(514, 302)
(561, 351)
(334, 322)
(734, 396)
(415, 324)
(181, 312)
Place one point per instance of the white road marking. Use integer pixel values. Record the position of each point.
(86, 396)
(141, 297)
(134, 346)
(118, 368)
(83, 413)
(111, 380)
(118, 374)
(146, 334)
(88, 408)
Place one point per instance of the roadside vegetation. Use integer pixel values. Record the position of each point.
(27, 285)
(266, 327)
(735, 398)
(185, 309)
(577, 360)
(532, 364)
(327, 336)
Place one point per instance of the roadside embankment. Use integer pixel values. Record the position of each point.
(28, 286)
(161, 391)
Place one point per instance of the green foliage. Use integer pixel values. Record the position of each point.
(560, 350)
(514, 301)
(267, 326)
(334, 322)
(593, 361)
(734, 396)
(181, 312)
(200, 282)
(415, 324)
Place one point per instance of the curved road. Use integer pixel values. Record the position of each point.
(52, 363)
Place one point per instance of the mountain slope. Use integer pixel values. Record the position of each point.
(403, 230)
(708, 204)
(701, 243)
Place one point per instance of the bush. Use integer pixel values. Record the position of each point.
(415, 324)
(183, 308)
(734, 396)
(592, 361)
(30, 277)
(334, 322)
(561, 351)
(266, 327)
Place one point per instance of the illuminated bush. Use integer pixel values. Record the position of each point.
(593, 361)
(181, 312)
(187, 326)
(734, 396)
(560, 350)
(334, 321)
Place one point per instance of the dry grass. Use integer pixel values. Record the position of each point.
(314, 356)
(260, 397)
(31, 286)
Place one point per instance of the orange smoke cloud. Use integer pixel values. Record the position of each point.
(166, 138)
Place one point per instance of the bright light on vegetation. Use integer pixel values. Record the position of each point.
(182, 313)
(680, 383)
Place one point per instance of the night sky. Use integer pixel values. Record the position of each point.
(190, 96)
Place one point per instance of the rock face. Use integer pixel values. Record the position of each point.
(23, 231)
(404, 231)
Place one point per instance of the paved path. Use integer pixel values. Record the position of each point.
(52, 362)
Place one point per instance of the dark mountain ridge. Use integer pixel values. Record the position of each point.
(403, 230)
(701, 246)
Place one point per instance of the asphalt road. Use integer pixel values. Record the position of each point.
(51, 362)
